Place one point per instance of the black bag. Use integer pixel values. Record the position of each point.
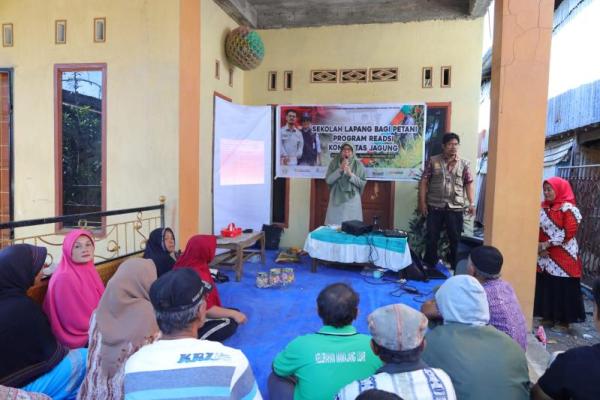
(419, 270)
(415, 271)
(272, 237)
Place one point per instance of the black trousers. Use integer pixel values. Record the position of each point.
(281, 388)
(437, 220)
(217, 329)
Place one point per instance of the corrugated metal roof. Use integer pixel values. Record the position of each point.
(574, 86)
(573, 109)
(556, 151)
(567, 10)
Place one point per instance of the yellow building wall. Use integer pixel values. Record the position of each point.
(215, 25)
(408, 46)
(141, 53)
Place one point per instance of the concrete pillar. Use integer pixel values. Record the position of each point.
(519, 95)
(189, 119)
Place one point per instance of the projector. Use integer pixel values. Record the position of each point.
(356, 227)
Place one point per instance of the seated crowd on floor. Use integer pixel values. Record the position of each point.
(156, 331)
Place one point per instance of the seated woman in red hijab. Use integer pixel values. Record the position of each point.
(221, 322)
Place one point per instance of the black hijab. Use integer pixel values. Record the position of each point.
(156, 251)
(28, 348)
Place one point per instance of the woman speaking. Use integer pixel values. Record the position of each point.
(346, 180)
(558, 299)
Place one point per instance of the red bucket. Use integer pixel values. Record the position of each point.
(231, 231)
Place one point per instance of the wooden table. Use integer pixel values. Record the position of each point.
(239, 251)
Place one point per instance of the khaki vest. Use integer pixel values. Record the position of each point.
(446, 188)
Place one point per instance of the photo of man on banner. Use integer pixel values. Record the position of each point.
(292, 142)
(311, 153)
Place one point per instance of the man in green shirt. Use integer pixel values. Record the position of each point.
(321, 363)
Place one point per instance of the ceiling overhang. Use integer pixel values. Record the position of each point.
(273, 14)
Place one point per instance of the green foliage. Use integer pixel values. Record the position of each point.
(82, 155)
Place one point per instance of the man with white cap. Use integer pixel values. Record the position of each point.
(397, 337)
(483, 362)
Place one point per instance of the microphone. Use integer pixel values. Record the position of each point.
(345, 162)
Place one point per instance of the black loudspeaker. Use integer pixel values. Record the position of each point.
(419, 270)
(272, 236)
(415, 271)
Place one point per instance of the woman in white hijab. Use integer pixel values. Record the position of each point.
(462, 300)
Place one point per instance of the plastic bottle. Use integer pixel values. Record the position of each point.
(440, 266)
(376, 223)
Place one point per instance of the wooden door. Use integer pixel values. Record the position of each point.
(377, 200)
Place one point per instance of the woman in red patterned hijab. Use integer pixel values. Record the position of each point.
(558, 299)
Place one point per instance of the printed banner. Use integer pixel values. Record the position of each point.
(388, 139)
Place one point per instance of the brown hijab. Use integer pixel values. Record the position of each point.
(125, 317)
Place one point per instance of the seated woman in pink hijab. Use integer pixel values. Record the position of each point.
(74, 290)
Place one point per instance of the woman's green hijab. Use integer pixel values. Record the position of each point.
(342, 189)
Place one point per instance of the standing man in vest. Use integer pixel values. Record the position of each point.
(445, 192)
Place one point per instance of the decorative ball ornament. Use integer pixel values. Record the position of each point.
(244, 48)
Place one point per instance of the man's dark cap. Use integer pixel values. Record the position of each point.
(305, 117)
(178, 290)
(487, 261)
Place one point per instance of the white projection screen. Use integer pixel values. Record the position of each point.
(241, 165)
